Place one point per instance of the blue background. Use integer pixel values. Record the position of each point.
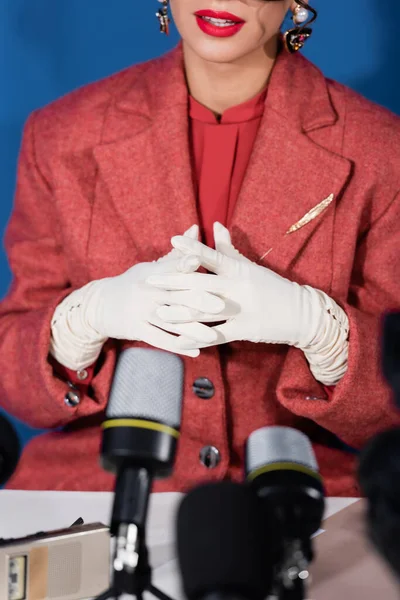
(50, 47)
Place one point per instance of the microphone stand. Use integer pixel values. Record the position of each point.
(140, 581)
(296, 592)
(131, 569)
(293, 570)
(110, 593)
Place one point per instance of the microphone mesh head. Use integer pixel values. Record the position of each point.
(147, 384)
(279, 445)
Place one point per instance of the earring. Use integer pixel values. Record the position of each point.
(162, 16)
(296, 37)
(300, 15)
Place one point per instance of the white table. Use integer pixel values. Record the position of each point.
(23, 513)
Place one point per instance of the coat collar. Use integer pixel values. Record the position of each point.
(297, 90)
(144, 159)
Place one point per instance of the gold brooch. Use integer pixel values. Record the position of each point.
(312, 214)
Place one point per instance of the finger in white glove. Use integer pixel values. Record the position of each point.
(188, 264)
(223, 243)
(171, 314)
(139, 302)
(183, 314)
(272, 308)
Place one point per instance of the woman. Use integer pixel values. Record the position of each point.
(236, 132)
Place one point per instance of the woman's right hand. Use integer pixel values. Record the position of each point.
(124, 307)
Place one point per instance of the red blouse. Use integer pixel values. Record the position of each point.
(221, 151)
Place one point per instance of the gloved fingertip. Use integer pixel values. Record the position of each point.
(160, 313)
(192, 232)
(211, 337)
(180, 242)
(185, 343)
(188, 264)
(222, 239)
(176, 239)
(216, 306)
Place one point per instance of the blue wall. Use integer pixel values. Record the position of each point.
(50, 47)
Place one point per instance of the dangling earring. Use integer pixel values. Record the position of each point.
(296, 38)
(162, 16)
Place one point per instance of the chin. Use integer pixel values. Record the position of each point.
(222, 51)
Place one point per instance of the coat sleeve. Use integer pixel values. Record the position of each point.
(361, 404)
(31, 387)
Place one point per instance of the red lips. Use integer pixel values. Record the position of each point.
(216, 14)
(226, 30)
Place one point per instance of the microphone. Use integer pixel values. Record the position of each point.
(379, 479)
(282, 469)
(140, 436)
(10, 450)
(391, 353)
(379, 464)
(222, 547)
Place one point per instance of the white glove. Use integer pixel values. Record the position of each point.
(269, 308)
(124, 307)
(264, 306)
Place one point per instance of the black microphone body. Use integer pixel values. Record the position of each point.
(391, 353)
(281, 468)
(140, 436)
(379, 479)
(10, 449)
(379, 464)
(136, 455)
(297, 499)
(223, 595)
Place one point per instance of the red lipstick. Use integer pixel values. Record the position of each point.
(218, 23)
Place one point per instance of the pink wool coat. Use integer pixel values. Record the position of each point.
(105, 180)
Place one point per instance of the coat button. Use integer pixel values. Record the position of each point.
(210, 457)
(203, 388)
(72, 398)
(82, 374)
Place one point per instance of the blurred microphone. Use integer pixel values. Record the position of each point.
(140, 436)
(391, 353)
(10, 450)
(282, 468)
(222, 545)
(379, 466)
(379, 479)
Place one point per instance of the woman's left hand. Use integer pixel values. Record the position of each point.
(262, 306)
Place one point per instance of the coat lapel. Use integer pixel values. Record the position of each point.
(144, 159)
(295, 170)
(292, 183)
